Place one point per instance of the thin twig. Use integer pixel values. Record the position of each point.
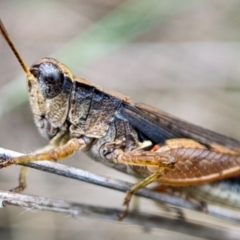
(142, 219)
(81, 175)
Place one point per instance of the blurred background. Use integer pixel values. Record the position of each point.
(179, 56)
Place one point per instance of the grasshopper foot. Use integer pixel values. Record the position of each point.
(18, 189)
(21, 186)
(5, 161)
(126, 203)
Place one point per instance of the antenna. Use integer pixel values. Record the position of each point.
(12, 46)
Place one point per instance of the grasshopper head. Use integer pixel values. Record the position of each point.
(49, 87)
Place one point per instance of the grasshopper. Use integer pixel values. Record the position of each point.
(129, 136)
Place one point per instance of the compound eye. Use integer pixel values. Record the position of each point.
(50, 79)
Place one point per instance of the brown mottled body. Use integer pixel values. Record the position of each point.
(127, 135)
